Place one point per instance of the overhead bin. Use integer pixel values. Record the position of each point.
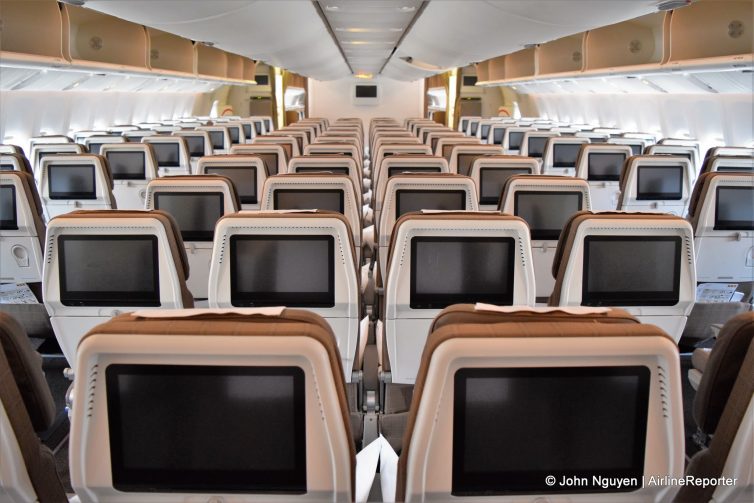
(93, 39)
(32, 32)
(564, 55)
(713, 29)
(170, 53)
(496, 68)
(633, 43)
(520, 64)
(210, 62)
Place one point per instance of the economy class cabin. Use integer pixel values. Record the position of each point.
(376, 251)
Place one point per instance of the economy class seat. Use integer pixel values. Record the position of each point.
(439, 259)
(494, 380)
(301, 259)
(415, 192)
(406, 163)
(22, 240)
(101, 263)
(238, 383)
(656, 183)
(723, 410)
(316, 191)
(546, 203)
(42, 150)
(132, 166)
(513, 139)
(11, 149)
(94, 143)
(444, 146)
(199, 145)
(70, 182)
(601, 166)
(490, 173)
(196, 203)
(640, 262)
(335, 164)
(27, 409)
(289, 144)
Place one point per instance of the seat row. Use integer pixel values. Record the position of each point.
(505, 398)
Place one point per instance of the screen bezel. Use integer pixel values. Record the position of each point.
(90, 195)
(213, 136)
(195, 137)
(288, 299)
(10, 225)
(192, 235)
(534, 481)
(120, 176)
(643, 298)
(109, 298)
(237, 481)
(545, 234)
(658, 196)
(729, 225)
(536, 139)
(339, 192)
(400, 192)
(519, 136)
(440, 301)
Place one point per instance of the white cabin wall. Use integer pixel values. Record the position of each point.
(31, 113)
(713, 119)
(333, 99)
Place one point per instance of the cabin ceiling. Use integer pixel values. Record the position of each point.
(447, 33)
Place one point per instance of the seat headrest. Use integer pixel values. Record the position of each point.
(570, 228)
(22, 161)
(166, 219)
(26, 366)
(445, 215)
(200, 179)
(722, 370)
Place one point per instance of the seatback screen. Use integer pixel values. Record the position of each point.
(485, 132)
(536, 146)
(474, 126)
(308, 199)
(7, 167)
(564, 154)
(399, 170)
(195, 212)
(97, 270)
(247, 131)
(218, 139)
(735, 169)
(631, 271)
(243, 177)
(68, 181)
(8, 220)
(207, 429)
(497, 135)
(127, 165)
(417, 200)
(274, 270)
(514, 428)
(659, 182)
(605, 167)
(515, 139)
(195, 145)
(94, 147)
(734, 208)
(450, 270)
(167, 154)
(235, 134)
(546, 212)
(492, 181)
